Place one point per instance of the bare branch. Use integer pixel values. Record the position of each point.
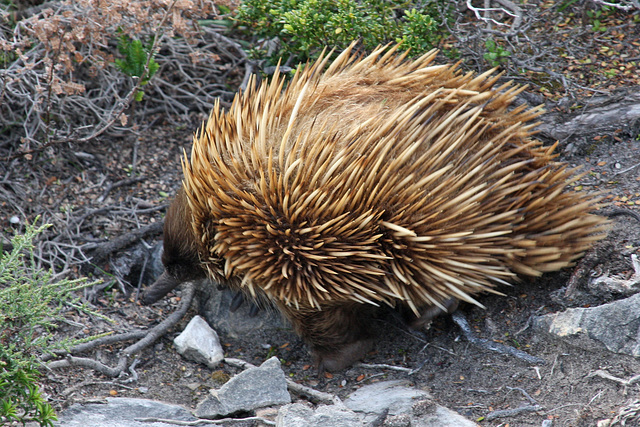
(149, 338)
(509, 8)
(626, 6)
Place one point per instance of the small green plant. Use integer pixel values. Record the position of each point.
(272, 352)
(136, 55)
(566, 4)
(596, 17)
(30, 305)
(597, 25)
(496, 55)
(302, 28)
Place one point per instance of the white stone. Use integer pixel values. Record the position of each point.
(200, 343)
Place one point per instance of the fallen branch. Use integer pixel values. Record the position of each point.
(200, 421)
(620, 284)
(607, 376)
(512, 412)
(101, 252)
(511, 9)
(383, 366)
(121, 183)
(109, 339)
(460, 320)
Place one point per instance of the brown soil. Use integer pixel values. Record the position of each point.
(459, 375)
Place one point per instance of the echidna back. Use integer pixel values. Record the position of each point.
(381, 180)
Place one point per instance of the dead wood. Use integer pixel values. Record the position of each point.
(602, 115)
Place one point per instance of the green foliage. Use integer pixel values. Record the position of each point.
(495, 54)
(597, 15)
(594, 16)
(30, 306)
(566, 4)
(420, 32)
(136, 56)
(305, 27)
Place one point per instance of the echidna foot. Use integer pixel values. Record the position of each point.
(346, 355)
(430, 313)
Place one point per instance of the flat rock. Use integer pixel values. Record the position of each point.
(427, 413)
(247, 391)
(122, 412)
(613, 326)
(406, 406)
(303, 415)
(391, 395)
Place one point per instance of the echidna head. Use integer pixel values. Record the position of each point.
(180, 255)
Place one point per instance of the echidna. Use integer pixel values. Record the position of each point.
(375, 180)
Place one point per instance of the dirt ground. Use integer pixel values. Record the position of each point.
(459, 375)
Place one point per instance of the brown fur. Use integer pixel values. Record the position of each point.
(377, 181)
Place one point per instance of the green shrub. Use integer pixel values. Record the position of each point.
(496, 55)
(136, 56)
(30, 306)
(304, 27)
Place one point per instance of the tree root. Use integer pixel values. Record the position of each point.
(461, 321)
(148, 338)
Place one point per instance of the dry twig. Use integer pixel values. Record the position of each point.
(607, 376)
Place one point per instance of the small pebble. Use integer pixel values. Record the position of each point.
(193, 386)
(14, 220)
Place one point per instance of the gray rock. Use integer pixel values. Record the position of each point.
(214, 306)
(613, 326)
(391, 395)
(121, 412)
(302, 415)
(249, 390)
(403, 420)
(426, 413)
(200, 343)
(155, 267)
(406, 406)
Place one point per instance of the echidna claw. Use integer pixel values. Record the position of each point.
(254, 310)
(236, 301)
